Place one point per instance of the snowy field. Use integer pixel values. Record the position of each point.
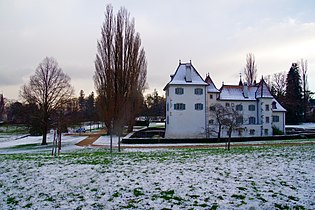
(279, 177)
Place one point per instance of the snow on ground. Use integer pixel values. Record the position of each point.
(244, 178)
(303, 126)
(27, 144)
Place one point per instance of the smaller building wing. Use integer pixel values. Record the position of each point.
(276, 106)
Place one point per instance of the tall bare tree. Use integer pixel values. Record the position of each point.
(48, 88)
(278, 86)
(305, 90)
(250, 69)
(120, 70)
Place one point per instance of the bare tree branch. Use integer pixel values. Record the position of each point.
(49, 87)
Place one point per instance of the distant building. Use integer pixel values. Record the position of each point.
(190, 100)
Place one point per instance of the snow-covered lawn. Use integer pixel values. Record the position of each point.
(32, 144)
(258, 177)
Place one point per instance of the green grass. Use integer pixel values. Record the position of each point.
(12, 129)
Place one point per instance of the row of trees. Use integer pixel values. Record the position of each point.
(120, 80)
(289, 88)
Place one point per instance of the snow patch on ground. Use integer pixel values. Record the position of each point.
(266, 178)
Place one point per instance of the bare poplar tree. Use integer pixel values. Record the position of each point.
(305, 90)
(48, 88)
(120, 70)
(250, 69)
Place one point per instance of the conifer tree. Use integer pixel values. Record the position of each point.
(293, 99)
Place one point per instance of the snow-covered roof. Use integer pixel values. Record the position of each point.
(278, 108)
(244, 92)
(263, 90)
(235, 92)
(186, 74)
(211, 86)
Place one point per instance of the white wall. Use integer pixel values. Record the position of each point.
(188, 123)
(281, 124)
(260, 115)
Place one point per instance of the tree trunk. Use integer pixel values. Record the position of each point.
(229, 140)
(219, 134)
(229, 143)
(111, 142)
(119, 143)
(44, 140)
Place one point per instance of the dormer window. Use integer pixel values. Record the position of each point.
(179, 91)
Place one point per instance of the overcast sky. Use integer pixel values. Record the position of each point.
(214, 35)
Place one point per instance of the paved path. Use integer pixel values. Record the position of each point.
(92, 137)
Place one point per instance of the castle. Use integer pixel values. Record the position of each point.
(191, 102)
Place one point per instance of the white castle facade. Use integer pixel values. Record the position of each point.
(190, 102)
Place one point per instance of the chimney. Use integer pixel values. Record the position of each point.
(245, 90)
(188, 73)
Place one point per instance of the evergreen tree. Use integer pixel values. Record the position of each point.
(293, 99)
(90, 107)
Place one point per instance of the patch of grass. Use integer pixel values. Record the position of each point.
(12, 201)
(29, 205)
(282, 206)
(241, 197)
(167, 195)
(137, 192)
(214, 206)
(293, 198)
(241, 188)
(116, 194)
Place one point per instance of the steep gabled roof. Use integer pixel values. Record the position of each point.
(211, 86)
(186, 74)
(263, 90)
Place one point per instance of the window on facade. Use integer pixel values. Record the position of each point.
(239, 107)
(274, 105)
(252, 132)
(266, 131)
(251, 107)
(212, 108)
(179, 91)
(211, 96)
(167, 120)
(198, 106)
(167, 107)
(211, 122)
(198, 91)
(252, 120)
(275, 119)
(267, 120)
(267, 107)
(179, 106)
(227, 104)
(240, 131)
(239, 120)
